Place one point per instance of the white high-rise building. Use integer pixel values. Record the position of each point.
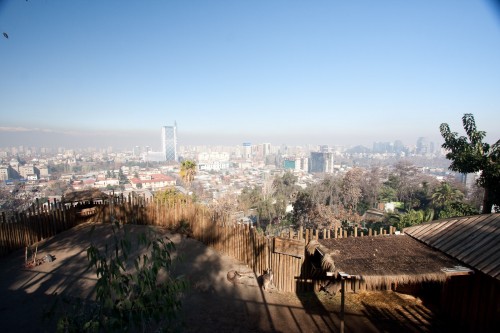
(169, 142)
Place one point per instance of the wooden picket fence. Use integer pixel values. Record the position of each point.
(292, 271)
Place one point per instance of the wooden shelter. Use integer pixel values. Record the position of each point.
(383, 262)
(380, 263)
(85, 196)
(473, 302)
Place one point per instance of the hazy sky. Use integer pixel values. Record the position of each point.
(296, 72)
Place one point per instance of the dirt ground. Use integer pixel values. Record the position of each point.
(212, 304)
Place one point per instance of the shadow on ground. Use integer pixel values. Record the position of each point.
(212, 304)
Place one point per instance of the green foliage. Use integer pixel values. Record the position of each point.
(132, 293)
(412, 217)
(121, 176)
(188, 171)
(284, 190)
(277, 228)
(469, 154)
(303, 208)
(250, 197)
(266, 210)
(445, 195)
(170, 195)
(457, 209)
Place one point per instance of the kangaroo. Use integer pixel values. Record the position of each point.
(267, 279)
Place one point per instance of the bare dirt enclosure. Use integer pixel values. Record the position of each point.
(212, 304)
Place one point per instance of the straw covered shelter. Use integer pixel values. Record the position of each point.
(383, 261)
(90, 196)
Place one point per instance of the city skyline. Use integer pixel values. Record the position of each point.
(111, 74)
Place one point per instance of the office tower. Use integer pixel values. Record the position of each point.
(169, 142)
(422, 146)
(321, 162)
(266, 148)
(247, 150)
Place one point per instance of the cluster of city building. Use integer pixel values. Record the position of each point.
(221, 170)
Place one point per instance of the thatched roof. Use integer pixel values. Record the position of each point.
(383, 260)
(85, 195)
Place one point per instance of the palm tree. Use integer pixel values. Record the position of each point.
(188, 171)
(445, 194)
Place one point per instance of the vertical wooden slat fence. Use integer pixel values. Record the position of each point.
(292, 273)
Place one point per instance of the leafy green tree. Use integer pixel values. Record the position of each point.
(188, 171)
(445, 195)
(327, 192)
(266, 210)
(169, 195)
(303, 208)
(412, 217)
(121, 176)
(405, 181)
(132, 293)
(387, 194)
(250, 197)
(470, 154)
(285, 185)
(456, 209)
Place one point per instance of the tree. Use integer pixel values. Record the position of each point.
(351, 188)
(303, 208)
(404, 179)
(371, 186)
(134, 292)
(387, 194)
(169, 195)
(121, 176)
(250, 198)
(188, 171)
(470, 154)
(445, 195)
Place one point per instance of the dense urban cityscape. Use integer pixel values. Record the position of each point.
(221, 170)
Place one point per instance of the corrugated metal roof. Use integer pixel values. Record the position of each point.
(474, 240)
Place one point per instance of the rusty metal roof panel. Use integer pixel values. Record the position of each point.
(474, 240)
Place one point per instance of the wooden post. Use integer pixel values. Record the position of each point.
(370, 232)
(342, 304)
(355, 231)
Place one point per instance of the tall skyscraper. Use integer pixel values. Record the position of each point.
(422, 146)
(169, 142)
(321, 162)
